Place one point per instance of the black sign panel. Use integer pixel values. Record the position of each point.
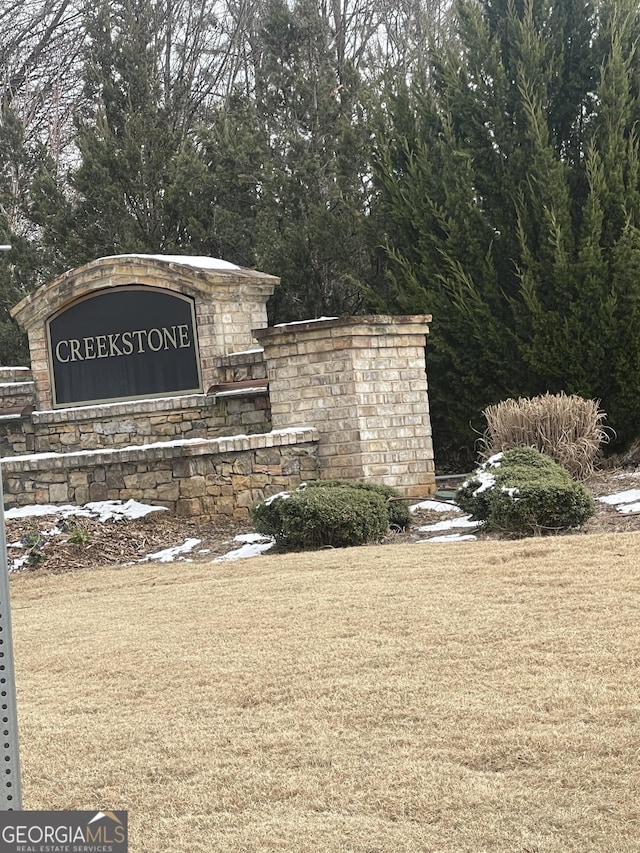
(124, 343)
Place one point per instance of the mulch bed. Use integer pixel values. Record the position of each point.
(114, 541)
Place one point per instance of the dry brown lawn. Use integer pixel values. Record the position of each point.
(476, 696)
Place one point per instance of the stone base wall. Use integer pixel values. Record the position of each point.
(16, 374)
(223, 476)
(241, 366)
(355, 387)
(17, 389)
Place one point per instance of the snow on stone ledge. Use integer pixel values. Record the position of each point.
(303, 322)
(221, 444)
(199, 261)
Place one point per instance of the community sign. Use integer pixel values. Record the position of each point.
(124, 343)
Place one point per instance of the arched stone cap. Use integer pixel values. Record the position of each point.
(208, 279)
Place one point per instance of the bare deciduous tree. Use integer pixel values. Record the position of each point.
(39, 50)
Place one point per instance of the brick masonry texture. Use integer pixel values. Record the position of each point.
(362, 383)
(228, 305)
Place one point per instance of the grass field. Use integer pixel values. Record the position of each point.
(478, 696)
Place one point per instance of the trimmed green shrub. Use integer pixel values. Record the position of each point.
(314, 518)
(400, 515)
(523, 491)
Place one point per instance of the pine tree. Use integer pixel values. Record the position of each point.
(26, 265)
(137, 188)
(313, 194)
(510, 192)
(128, 139)
(218, 199)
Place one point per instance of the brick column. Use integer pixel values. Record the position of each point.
(361, 382)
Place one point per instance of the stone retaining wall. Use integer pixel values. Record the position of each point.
(354, 388)
(122, 424)
(17, 388)
(223, 476)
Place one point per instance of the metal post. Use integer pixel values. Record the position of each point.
(10, 793)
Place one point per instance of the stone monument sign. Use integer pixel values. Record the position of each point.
(133, 327)
(156, 378)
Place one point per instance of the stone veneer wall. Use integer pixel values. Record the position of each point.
(361, 382)
(223, 476)
(355, 389)
(241, 366)
(115, 425)
(17, 389)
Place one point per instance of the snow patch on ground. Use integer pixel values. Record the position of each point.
(451, 537)
(436, 506)
(626, 502)
(620, 498)
(102, 510)
(168, 555)
(254, 545)
(451, 523)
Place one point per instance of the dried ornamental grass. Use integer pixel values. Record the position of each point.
(567, 428)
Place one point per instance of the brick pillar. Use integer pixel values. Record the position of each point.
(361, 382)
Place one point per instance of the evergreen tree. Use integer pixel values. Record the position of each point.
(221, 208)
(510, 192)
(314, 192)
(138, 187)
(26, 265)
(129, 140)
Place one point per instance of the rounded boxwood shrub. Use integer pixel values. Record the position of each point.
(315, 518)
(523, 491)
(400, 515)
